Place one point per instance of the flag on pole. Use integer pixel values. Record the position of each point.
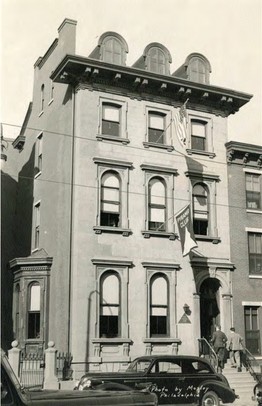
(185, 230)
(180, 122)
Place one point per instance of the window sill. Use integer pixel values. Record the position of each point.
(40, 114)
(214, 240)
(255, 276)
(51, 101)
(199, 152)
(255, 211)
(117, 230)
(115, 340)
(169, 148)
(164, 340)
(164, 234)
(122, 140)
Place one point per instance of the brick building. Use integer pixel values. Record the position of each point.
(99, 268)
(245, 218)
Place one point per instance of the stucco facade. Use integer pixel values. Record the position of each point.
(102, 124)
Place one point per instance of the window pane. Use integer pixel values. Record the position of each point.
(111, 113)
(110, 194)
(110, 290)
(198, 129)
(34, 298)
(157, 215)
(156, 121)
(110, 180)
(157, 193)
(34, 325)
(159, 292)
(109, 219)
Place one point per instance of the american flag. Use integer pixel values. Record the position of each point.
(180, 122)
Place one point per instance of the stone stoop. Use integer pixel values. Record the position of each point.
(243, 384)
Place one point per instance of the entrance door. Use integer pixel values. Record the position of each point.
(209, 307)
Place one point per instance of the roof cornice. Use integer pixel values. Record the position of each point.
(75, 70)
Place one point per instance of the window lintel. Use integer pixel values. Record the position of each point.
(112, 162)
(161, 265)
(158, 169)
(202, 176)
(110, 262)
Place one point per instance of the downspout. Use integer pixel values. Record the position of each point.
(71, 226)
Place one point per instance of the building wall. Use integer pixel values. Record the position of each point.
(246, 288)
(88, 245)
(73, 157)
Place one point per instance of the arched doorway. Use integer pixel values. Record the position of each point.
(209, 306)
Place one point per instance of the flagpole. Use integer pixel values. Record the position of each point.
(172, 119)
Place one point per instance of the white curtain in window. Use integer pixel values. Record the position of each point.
(111, 113)
(159, 297)
(198, 129)
(35, 298)
(110, 296)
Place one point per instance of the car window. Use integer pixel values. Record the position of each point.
(201, 367)
(139, 366)
(163, 367)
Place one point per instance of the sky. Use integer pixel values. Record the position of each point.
(227, 32)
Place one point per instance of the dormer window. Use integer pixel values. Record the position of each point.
(198, 68)
(157, 59)
(113, 48)
(195, 68)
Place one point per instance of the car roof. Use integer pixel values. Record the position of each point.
(174, 357)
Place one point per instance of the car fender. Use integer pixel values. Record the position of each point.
(225, 393)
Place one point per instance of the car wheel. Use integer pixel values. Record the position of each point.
(210, 399)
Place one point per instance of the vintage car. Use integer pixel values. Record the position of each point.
(12, 394)
(177, 380)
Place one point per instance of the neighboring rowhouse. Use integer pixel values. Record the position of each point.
(245, 214)
(100, 269)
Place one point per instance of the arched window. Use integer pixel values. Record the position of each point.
(42, 101)
(156, 127)
(111, 119)
(158, 306)
(198, 135)
(33, 320)
(156, 60)
(157, 204)
(198, 68)
(200, 212)
(109, 305)
(198, 71)
(112, 48)
(112, 51)
(110, 200)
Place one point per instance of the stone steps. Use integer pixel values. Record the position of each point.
(243, 384)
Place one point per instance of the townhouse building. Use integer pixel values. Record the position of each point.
(245, 219)
(99, 267)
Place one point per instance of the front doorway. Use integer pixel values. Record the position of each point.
(209, 307)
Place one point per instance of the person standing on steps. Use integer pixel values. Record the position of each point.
(235, 348)
(219, 340)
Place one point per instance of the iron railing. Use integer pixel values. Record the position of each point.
(63, 366)
(206, 351)
(32, 369)
(251, 364)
